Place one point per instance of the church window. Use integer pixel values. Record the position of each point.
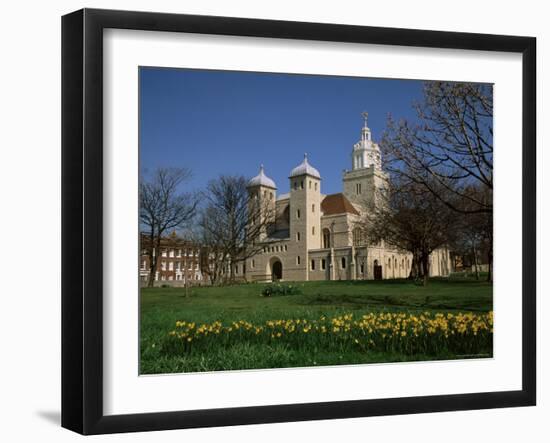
(295, 185)
(358, 237)
(297, 213)
(313, 207)
(302, 184)
(326, 238)
(343, 262)
(362, 268)
(309, 182)
(316, 186)
(389, 263)
(313, 230)
(323, 264)
(298, 260)
(286, 248)
(313, 265)
(252, 263)
(297, 236)
(271, 195)
(236, 269)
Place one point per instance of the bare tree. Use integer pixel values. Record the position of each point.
(232, 225)
(474, 239)
(411, 219)
(451, 148)
(164, 207)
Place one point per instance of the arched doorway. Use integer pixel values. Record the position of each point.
(276, 269)
(377, 272)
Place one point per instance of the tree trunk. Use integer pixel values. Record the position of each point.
(425, 268)
(153, 259)
(414, 274)
(476, 268)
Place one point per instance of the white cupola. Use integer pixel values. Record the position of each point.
(305, 168)
(261, 180)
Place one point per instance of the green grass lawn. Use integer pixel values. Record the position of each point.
(162, 307)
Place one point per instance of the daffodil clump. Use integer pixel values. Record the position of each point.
(407, 333)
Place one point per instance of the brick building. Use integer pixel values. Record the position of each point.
(178, 262)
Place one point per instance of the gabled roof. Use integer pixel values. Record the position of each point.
(337, 204)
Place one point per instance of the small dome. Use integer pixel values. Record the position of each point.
(261, 180)
(305, 168)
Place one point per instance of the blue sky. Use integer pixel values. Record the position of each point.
(224, 122)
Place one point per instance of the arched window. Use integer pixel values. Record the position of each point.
(389, 263)
(326, 238)
(343, 262)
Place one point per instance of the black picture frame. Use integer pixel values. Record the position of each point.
(82, 215)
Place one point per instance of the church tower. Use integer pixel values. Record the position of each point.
(366, 175)
(305, 212)
(261, 201)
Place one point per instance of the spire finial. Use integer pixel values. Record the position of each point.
(365, 115)
(305, 156)
(261, 167)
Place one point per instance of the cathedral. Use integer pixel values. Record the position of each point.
(315, 236)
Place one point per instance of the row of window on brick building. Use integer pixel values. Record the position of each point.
(174, 252)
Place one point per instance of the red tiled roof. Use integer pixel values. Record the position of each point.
(337, 204)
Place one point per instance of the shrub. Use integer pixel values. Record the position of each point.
(281, 289)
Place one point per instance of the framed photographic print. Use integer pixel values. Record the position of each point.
(269, 221)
